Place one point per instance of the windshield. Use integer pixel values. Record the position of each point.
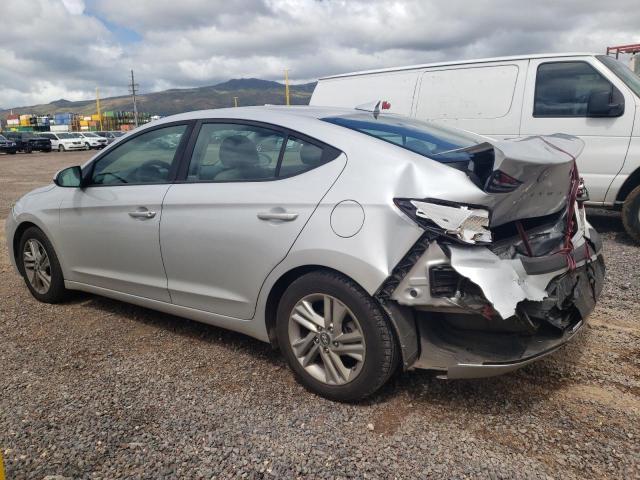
(117, 134)
(3, 139)
(623, 72)
(425, 138)
(91, 135)
(65, 136)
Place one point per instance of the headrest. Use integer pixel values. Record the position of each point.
(238, 151)
(311, 155)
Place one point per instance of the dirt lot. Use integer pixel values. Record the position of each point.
(99, 389)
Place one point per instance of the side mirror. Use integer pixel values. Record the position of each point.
(69, 177)
(605, 104)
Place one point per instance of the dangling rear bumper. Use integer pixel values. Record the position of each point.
(505, 312)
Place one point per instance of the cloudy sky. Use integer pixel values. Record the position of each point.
(51, 49)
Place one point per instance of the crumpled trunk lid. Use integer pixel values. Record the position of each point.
(542, 164)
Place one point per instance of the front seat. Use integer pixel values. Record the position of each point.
(239, 157)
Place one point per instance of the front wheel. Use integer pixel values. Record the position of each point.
(335, 337)
(40, 267)
(61, 148)
(631, 214)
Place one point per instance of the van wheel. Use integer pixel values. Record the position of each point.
(631, 214)
(61, 148)
(40, 267)
(28, 149)
(335, 337)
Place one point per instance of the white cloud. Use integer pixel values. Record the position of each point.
(62, 48)
(74, 7)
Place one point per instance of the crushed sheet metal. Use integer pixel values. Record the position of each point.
(468, 224)
(503, 282)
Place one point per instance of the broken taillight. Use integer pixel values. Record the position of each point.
(500, 182)
(464, 223)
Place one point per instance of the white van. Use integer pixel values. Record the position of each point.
(594, 97)
(63, 141)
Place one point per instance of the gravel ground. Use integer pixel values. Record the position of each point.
(95, 388)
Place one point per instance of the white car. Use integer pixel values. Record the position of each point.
(91, 140)
(63, 141)
(365, 243)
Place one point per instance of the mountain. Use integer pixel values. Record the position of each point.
(250, 91)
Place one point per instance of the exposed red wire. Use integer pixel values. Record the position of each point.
(572, 195)
(524, 237)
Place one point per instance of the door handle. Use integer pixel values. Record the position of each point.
(142, 214)
(283, 216)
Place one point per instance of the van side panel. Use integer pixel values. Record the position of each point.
(396, 87)
(484, 98)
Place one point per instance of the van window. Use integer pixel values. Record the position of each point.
(467, 93)
(563, 89)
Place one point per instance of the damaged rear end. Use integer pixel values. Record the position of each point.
(510, 275)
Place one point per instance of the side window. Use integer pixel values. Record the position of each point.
(563, 89)
(146, 158)
(229, 152)
(300, 156)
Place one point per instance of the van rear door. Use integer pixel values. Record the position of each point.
(557, 100)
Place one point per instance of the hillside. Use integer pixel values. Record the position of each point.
(250, 91)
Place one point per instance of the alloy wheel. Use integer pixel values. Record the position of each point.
(327, 339)
(37, 266)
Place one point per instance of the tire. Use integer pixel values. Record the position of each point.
(631, 214)
(55, 292)
(380, 354)
(11, 152)
(61, 148)
(88, 147)
(28, 149)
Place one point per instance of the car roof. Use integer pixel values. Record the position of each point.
(464, 62)
(275, 113)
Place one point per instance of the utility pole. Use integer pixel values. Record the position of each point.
(98, 107)
(286, 86)
(133, 87)
(235, 101)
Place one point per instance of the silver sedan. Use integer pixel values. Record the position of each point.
(356, 241)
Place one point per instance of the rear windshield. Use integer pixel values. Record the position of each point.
(425, 138)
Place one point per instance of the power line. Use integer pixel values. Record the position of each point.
(133, 88)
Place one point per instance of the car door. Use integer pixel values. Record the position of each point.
(246, 193)
(557, 101)
(110, 227)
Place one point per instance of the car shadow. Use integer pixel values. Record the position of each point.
(517, 391)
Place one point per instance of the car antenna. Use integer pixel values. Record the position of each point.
(374, 107)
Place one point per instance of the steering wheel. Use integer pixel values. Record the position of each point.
(264, 160)
(152, 170)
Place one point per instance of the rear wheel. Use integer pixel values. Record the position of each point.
(87, 146)
(631, 214)
(28, 149)
(335, 337)
(40, 267)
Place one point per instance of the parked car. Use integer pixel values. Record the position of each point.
(7, 146)
(28, 141)
(594, 97)
(110, 136)
(379, 242)
(64, 141)
(92, 140)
